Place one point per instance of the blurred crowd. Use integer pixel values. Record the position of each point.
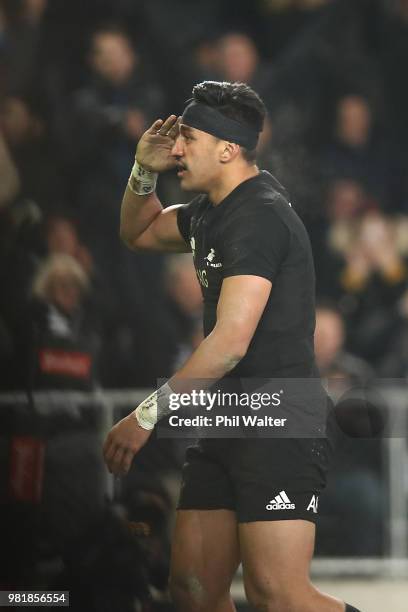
(79, 84)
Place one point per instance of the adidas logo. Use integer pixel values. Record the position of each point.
(280, 502)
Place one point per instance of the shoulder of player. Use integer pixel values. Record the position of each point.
(266, 209)
(278, 208)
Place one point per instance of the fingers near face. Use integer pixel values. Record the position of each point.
(175, 130)
(168, 125)
(155, 126)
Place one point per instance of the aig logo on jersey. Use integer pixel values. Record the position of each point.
(314, 503)
(280, 502)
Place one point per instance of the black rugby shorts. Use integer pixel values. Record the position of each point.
(259, 479)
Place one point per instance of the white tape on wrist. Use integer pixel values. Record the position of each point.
(153, 407)
(141, 181)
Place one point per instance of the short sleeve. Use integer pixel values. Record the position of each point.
(254, 243)
(185, 214)
(184, 220)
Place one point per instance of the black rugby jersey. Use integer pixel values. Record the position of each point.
(254, 230)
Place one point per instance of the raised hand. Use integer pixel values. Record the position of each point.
(378, 240)
(154, 148)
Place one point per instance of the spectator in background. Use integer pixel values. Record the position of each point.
(333, 361)
(194, 20)
(371, 278)
(23, 121)
(199, 62)
(238, 58)
(119, 362)
(65, 336)
(281, 146)
(239, 61)
(205, 58)
(109, 115)
(346, 201)
(329, 54)
(63, 341)
(354, 121)
(182, 313)
(144, 353)
(353, 498)
(62, 237)
(115, 107)
(359, 153)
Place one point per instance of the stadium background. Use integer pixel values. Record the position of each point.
(86, 325)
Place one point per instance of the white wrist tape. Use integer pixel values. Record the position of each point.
(153, 407)
(141, 181)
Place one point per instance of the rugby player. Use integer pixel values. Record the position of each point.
(242, 500)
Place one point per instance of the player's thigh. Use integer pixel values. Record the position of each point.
(205, 550)
(276, 557)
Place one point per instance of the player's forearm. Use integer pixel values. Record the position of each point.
(136, 214)
(140, 205)
(217, 355)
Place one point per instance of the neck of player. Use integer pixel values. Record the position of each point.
(230, 180)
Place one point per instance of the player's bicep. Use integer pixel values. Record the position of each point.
(163, 233)
(240, 307)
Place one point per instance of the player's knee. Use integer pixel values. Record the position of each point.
(188, 592)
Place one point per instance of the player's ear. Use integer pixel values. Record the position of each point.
(229, 152)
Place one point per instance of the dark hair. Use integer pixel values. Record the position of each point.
(236, 101)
